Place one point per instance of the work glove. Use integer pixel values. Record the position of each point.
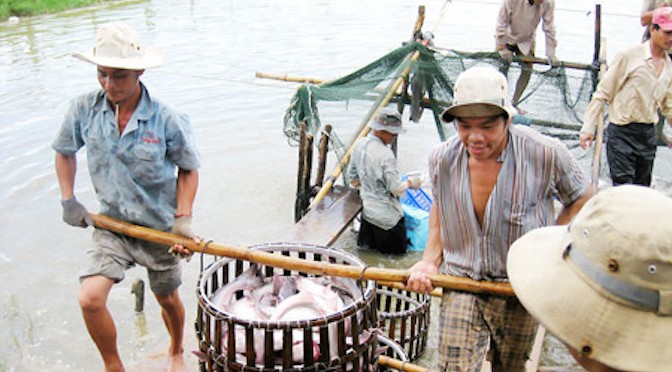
(506, 55)
(75, 214)
(553, 61)
(182, 226)
(414, 182)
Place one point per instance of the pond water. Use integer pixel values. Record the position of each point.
(248, 178)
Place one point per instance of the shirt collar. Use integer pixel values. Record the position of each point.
(144, 111)
(507, 148)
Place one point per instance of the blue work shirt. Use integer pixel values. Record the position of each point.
(135, 174)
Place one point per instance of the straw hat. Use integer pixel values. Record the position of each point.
(479, 92)
(389, 120)
(603, 284)
(118, 46)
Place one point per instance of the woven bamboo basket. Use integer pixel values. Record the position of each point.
(404, 317)
(345, 340)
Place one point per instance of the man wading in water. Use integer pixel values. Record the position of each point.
(143, 166)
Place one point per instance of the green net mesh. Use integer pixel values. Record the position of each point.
(555, 98)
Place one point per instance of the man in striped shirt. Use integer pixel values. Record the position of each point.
(492, 182)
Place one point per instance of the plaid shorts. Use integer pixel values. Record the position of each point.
(471, 323)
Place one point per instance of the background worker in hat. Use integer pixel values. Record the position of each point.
(646, 15)
(637, 84)
(373, 168)
(143, 166)
(515, 34)
(491, 183)
(603, 284)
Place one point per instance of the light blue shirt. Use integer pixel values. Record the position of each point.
(374, 164)
(135, 175)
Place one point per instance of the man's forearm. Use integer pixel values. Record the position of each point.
(66, 168)
(187, 184)
(434, 248)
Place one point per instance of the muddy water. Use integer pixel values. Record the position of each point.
(246, 195)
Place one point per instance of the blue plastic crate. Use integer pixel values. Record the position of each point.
(417, 227)
(417, 198)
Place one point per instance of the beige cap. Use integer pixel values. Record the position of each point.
(603, 284)
(118, 46)
(479, 91)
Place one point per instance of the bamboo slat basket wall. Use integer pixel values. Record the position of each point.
(404, 317)
(344, 339)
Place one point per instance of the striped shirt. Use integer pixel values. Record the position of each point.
(535, 170)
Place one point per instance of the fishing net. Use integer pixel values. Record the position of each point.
(554, 100)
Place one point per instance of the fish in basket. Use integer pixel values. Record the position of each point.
(259, 317)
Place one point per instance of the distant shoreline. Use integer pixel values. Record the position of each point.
(16, 9)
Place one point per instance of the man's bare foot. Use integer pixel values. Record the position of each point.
(176, 363)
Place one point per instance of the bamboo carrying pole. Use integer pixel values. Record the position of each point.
(293, 263)
(437, 292)
(400, 365)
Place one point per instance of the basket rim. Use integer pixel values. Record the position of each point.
(368, 294)
(417, 308)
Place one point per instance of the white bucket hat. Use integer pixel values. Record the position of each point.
(118, 46)
(389, 120)
(479, 92)
(603, 284)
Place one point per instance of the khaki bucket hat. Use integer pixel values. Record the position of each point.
(603, 284)
(479, 91)
(117, 45)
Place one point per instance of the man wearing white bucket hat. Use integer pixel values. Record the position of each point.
(144, 168)
(492, 182)
(374, 170)
(603, 284)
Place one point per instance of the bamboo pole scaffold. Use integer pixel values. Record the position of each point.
(599, 131)
(364, 127)
(295, 263)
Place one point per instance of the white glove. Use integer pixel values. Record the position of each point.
(182, 226)
(506, 55)
(414, 182)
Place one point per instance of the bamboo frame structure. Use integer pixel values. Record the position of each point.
(364, 127)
